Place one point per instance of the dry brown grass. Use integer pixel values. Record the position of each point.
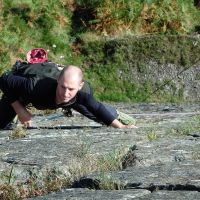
(18, 132)
(53, 180)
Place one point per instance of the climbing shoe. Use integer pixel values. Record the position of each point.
(125, 118)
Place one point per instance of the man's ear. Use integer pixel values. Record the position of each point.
(81, 85)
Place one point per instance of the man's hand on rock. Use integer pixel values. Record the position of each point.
(129, 126)
(117, 124)
(23, 114)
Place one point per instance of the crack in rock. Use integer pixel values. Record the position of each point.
(170, 187)
(129, 159)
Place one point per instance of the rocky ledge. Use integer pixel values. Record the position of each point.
(75, 158)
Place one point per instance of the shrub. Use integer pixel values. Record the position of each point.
(141, 16)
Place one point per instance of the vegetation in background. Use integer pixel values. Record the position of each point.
(28, 24)
(110, 17)
(108, 38)
(119, 68)
(112, 39)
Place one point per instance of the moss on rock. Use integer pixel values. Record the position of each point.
(129, 68)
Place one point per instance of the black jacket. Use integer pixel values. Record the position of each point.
(41, 94)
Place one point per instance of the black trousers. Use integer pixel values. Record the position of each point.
(7, 113)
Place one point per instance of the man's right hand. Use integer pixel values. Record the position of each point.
(25, 118)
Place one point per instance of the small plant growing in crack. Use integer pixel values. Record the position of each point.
(181, 130)
(152, 136)
(8, 176)
(196, 155)
(130, 158)
(93, 163)
(18, 132)
(55, 180)
(111, 161)
(106, 182)
(83, 149)
(187, 128)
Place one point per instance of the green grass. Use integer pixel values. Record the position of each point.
(119, 68)
(108, 39)
(18, 132)
(196, 155)
(152, 136)
(108, 183)
(109, 17)
(189, 127)
(30, 24)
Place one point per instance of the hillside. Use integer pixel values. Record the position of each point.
(115, 42)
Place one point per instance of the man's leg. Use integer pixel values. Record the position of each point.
(7, 113)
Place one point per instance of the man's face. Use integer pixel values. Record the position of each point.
(67, 89)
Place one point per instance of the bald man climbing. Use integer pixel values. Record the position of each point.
(47, 93)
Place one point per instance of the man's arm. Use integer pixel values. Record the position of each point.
(100, 111)
(23, 114)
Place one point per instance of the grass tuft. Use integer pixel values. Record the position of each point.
(18, 132)
(152, 136)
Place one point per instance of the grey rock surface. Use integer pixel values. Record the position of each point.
(170, 176)
(173, 79)
(162, 155)
(85, 194)
(166, 195)
(167, 150)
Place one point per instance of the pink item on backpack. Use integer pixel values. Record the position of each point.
(37, 55)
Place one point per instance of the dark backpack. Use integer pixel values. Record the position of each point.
(40, 70)
(43, 70)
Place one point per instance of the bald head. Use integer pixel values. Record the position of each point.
(72, 72)
(69, 82)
